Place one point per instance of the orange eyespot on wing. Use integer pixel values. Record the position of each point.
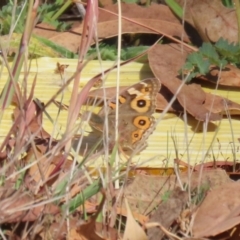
(137, 135)
(141, 104)
(143, 122)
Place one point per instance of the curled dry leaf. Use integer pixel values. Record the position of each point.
(217, 104)
(219, 211)
(191, 97)
(133, 231)
(212, 19)
(229, 76)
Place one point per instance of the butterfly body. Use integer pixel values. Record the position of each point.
(135, 121)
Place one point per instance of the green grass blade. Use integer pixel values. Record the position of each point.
(175, 7)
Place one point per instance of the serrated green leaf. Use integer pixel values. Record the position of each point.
(231, 48)
(200, 63)
(228, 51)
(130, 52)
(208, 50)
(188, 66)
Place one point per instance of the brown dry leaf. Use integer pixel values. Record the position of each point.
(217, 104)
(229, 76)
(191, 97)
(39, 173)
(87, 231)
(139, 217)
(133, 231)
(45, 30)
(157, 17)
(68, 39)
(219, 211)
(110, 28)
(54, 232)
(232, 234)
(59, 229)
(154, 11)
(19, 207)
(145, 192)
(211, 19)
(167, 212)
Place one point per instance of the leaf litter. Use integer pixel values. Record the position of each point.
(108, 25)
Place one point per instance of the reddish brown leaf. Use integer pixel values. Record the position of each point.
(157, 17)
(212, 19)
(191, 97)
(217, 104)
(219, 211)
(229, 76)
(154, 11)
(110, 28)
(88, 230)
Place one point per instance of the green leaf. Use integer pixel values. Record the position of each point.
(200, 62)
(209, 51)
(80, 198)
(175, 7)
(229, 51)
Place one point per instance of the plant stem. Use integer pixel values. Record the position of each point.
(61, 10)
(10, 87)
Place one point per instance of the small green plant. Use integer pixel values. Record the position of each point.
(46, 12)
(6, 17)
(220, 54)
(109, 52)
